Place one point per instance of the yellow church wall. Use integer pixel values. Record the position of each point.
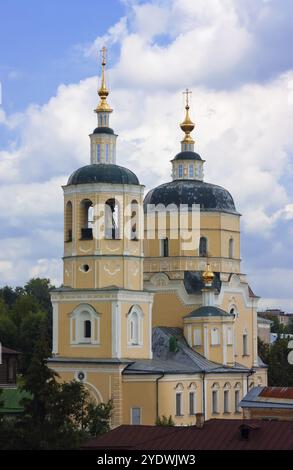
(96, 350)
(217, 383)
(184, 384)
(243, 322)
(124, 272)
(168, 310)
(140, 394)
(133, 351)
(218, 228)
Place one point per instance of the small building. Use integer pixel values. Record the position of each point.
(214, 434)
(283, 317)
(8, 367)
(11, 396)
(264, 329)
(268, 403)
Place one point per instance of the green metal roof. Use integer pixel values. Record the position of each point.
(208, 312)
(11, 398)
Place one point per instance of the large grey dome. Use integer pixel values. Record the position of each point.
(210, 197)
(103, 173)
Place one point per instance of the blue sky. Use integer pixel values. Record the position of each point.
(236, 57)
(37, 45)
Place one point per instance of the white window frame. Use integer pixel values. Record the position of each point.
(98, 152)
(230, 336)
(140, 414)
(245, 343)
(180, 396)
(197, 337)
(77, 318)
(237, 400)
(192, 393)
(226, 400)
(215, 401)
(135, 313)
(191, 170)
(215, 340)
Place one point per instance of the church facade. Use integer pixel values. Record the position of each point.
(158, 327)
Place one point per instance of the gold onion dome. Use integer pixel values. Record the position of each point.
(208, 276)
(187, 125)
(103, 92)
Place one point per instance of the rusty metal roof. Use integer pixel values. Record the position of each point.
(217, 434)
(277, 392)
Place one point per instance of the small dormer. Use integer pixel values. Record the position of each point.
(209, 329)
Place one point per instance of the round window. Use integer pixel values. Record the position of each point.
(80, 376)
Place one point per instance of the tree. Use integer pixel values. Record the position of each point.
(280, 372)
(56, 415)
(23, 312)
(164, 421)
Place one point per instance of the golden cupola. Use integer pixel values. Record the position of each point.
(103, 92)
(103, 138)
(187, 126)
(187, 165)
(208, 276)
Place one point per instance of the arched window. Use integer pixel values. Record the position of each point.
(87, 329)
(112, 219)
(192, 398)
(178, 399)
(191, 170)
(229, 336)
(98, 151)
(180, 171)
(215, 337)
(134, 220)
(215, 398)
(203, 246)
(135, 326)
(86, 222)
(164, 247)
(231, 248)
(68, 222)
(245, 342)
(84, 325)
(227, 388)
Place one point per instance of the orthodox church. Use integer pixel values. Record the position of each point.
(157, 328)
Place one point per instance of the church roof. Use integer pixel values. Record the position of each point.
(184, 361)
(187, 155)
(209, 197)
(103, 173)
(208, 311)
(103, 130)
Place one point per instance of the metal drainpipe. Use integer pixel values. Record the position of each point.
(251, 372)
(157, 392)
(203, 395)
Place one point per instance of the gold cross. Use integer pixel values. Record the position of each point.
(103, 51)
(187, 93)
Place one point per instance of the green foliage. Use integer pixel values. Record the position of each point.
(24, 312)
(276, 326)
(164, 421)
(280, 372)
(56, 415)
(173, 344)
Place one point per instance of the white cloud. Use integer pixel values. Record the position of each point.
(242, 133)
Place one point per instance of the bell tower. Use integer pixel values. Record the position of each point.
(101, 314)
